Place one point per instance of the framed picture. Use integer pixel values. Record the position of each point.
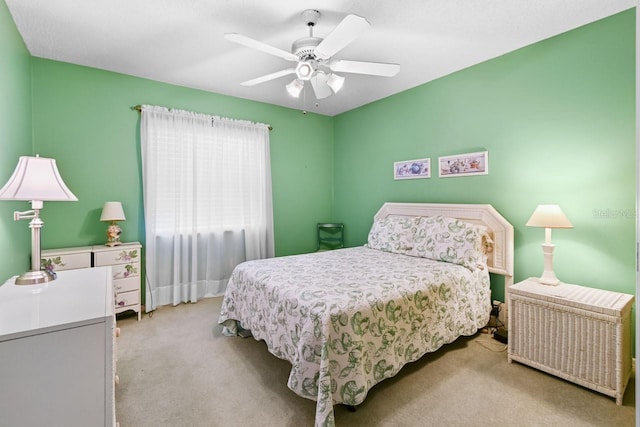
(464, 164)
(412, 169)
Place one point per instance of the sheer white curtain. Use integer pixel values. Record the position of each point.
(207, 201)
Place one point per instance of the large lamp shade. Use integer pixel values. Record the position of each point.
(35, 179)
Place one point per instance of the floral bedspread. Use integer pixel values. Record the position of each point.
(349, 318)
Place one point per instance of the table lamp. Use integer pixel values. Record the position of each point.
(548, 216)
(35, 179)
(112, 211)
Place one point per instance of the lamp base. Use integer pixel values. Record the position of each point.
(113, 234)
(549, 278)
(550, 282)
(35, 277)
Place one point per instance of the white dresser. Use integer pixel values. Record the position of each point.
(577, 333)
(57, 361)
(125, 260)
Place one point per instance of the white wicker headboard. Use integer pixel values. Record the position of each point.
(500, 261)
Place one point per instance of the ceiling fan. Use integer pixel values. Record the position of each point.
(313, 57)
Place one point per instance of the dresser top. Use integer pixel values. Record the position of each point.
(92, 248)
(598, 300)
(76, 297)
(66, 251)
(123, 247)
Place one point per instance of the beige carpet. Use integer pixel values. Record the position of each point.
(177, 369)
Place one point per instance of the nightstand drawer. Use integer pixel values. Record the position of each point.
(123, 254)
(126, 299)
(126, 285)
(123, 271)
(66, 259)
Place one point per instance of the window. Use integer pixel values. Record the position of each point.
(203, 176)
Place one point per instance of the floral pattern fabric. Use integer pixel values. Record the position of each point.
(450, 240)
(349, 318)
(393, 234)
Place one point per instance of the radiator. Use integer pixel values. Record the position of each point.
(579, 334)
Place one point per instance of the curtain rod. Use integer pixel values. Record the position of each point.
(138, 108)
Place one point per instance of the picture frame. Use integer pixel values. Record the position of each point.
(412, 169)
(464, 164)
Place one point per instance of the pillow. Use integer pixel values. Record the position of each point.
(393, 234)
(451, 240)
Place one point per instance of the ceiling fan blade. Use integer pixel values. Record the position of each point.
(360, 67)
(254, 44)
(320, 87)
(346, 31)
(268, 77)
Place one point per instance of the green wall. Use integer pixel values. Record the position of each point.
(83, 117)
(558, 120)
(15, 141)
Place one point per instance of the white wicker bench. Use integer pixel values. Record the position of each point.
(577, 333)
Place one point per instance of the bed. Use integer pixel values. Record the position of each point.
(349, 318)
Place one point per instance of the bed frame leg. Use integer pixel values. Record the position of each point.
(351, 408)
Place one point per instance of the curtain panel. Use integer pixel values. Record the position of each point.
(207, 201)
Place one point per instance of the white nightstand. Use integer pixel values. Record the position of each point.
(576, 333)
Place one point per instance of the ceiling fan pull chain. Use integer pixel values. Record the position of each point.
(304, 100)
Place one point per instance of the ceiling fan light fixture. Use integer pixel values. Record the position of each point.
(335, 82)
(305, 70)
(295, 87)
(313, 57)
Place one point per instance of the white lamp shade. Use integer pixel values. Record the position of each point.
(335, 82)
(549, 216)
(304, 70)
(112, 211)
(36, 178)
(295, 87)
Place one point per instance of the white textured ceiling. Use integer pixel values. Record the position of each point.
(181, 41)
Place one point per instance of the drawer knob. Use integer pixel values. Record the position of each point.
(122, 303)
